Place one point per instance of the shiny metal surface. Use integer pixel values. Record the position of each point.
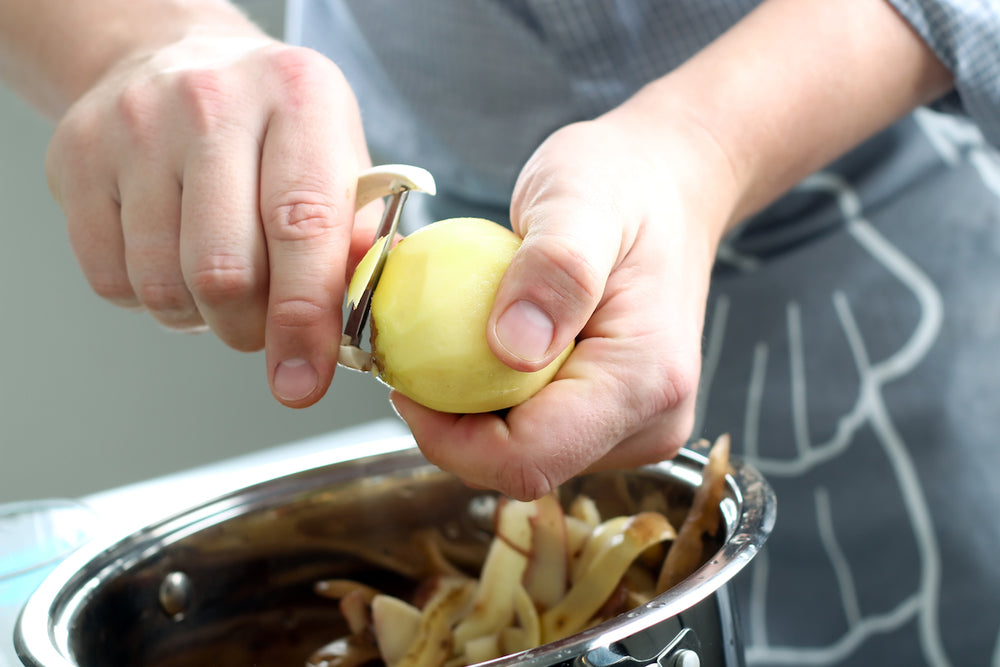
(249, 561)
(685, 658)
(357, 318)
(175, 594)
(394, 182)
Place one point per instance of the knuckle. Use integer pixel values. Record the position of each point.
(668, 442)
(301, 72)
(665, 391)
(72, 149)
(681, 380)
(76, 132)
(113, 288)
(523, 480)
(300, 216)
(206, 98)
(169, 299)
(656, 383)
(297, 313)
(221, 279)
(136, 109)
(568, 274)
(251, 340)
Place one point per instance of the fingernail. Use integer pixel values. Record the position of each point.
(294, 379)
(525, 330)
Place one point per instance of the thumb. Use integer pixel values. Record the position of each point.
(554, 283)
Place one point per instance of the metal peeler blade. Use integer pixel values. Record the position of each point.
(394, 181)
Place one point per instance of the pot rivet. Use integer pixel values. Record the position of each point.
(175, 594)
(685, 658)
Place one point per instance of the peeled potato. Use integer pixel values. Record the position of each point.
(428, 319)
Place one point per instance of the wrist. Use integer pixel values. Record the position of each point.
(62, 50)
(204, 24)
(788, 90)
(690, 163)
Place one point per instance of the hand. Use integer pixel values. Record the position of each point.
(211, 182)
(621, 217)
(620, 233)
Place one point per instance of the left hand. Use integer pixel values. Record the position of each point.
(620, 234)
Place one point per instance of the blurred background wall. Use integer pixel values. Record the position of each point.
(91, 396)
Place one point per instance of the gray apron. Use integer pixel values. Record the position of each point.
(852, 343)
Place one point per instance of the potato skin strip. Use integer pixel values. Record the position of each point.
(506, 562)
(529, 633)
(482, 649)
(547, 573)
(396, 624)
(600, 540)
(357, 612)
(585, 509)
(434, 641)
(587, 595)
(703, 518)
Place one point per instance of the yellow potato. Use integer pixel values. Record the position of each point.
(428, 319)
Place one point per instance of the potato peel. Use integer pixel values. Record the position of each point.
(396, 624)
(506, 562)
(703, 518)
(589, 593)
(433, 643)
(548, 573)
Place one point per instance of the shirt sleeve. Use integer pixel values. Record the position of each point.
(965, 36)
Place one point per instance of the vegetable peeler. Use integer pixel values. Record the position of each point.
(394, 181)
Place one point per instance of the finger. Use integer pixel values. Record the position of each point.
(223, 256)
(520, 456)
(558, 432)
(85, 191)
(308, 175)
(150, 221)
(658, 441)
(555, 281)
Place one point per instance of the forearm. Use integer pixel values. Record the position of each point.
(53, 51)
(789, 89)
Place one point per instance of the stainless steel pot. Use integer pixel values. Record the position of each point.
(231, 582)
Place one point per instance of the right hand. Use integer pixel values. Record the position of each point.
(620, 219)
(211, 182)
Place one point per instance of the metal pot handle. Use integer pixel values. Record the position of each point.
(682, 651)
